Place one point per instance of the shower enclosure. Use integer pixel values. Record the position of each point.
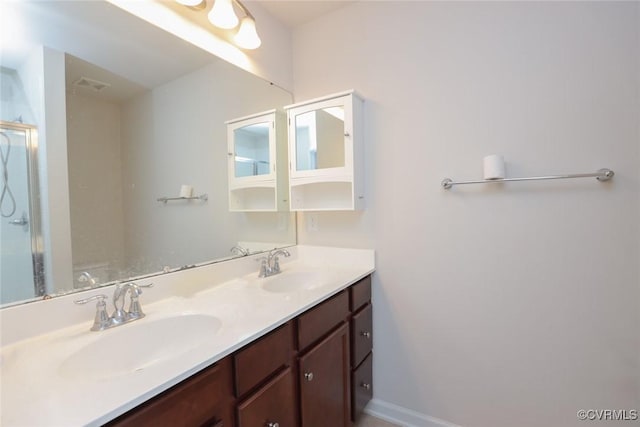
(21, 261)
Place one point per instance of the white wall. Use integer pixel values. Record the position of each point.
(96, 204)
(174, 135)
(493, 305)
(46, 96)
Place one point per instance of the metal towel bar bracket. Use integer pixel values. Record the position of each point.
(600, 175)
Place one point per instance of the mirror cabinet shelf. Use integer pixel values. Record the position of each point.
(257, 164)
(326, 159)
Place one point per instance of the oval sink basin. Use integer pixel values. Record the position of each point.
(138, 345)
(295, 281)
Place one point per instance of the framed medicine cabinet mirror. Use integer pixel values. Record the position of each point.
(326, 152)
(257, 165)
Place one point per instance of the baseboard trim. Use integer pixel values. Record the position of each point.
(402, 416)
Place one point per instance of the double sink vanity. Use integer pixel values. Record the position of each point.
(218, 346)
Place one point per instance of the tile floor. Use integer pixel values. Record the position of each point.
(370, 421)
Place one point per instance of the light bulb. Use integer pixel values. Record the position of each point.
(191, 3)
(247, 36)
(222, 14)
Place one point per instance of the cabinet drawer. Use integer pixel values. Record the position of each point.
(206, 399)
(361, 335)
(360, 293)
(361, 386)
(273, 403)
(319, 321)
(262, 358)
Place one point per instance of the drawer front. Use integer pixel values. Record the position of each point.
(258, 360)
(360, 293)
(273, 403)
(206, 399)
(362, 387)
(319, 321)
(361, 335)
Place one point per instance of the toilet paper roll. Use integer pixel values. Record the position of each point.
(494, 167)
(186, 191)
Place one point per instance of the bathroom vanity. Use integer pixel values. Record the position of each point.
(307, 372)
(218, 347)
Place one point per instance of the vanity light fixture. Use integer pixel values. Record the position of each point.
(247, 36)
(196, 4)
(223, 15)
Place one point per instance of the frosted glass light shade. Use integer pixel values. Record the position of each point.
(222, 14)
(247, 36)
(191, 3)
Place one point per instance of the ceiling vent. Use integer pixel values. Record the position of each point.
(95, 85)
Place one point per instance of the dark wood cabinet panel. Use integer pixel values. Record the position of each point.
(318, 321)
(273, 403)
(362, 386)
(361, 335)
(360, 293)
(324, 380)
(254, 363)
(206, 399)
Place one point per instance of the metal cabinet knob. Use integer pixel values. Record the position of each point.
(365, 386)
(308, 376)
(366, 334)
(272, 424)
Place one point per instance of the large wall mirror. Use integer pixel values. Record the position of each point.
(102, 115)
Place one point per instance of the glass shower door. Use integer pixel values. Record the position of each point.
(21, 271)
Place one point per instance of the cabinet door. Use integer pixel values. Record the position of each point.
(252, 151)
(325, 382)
(206, 399)
(274, 404)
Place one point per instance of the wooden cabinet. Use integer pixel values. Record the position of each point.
(206, 399)
(257, 165)
(313, 371)
(326, 153)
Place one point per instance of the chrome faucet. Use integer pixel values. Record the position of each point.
(270, 264)
(239, 250)
(120, 316)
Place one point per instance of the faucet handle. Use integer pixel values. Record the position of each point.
(135, 310)
(263, 266)
(102, 320)
(100, 299)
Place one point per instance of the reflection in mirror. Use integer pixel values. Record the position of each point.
(320, 139)
(145, 118)
(252, 150)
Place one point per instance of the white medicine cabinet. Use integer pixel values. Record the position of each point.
(257, 162)
(326, 153)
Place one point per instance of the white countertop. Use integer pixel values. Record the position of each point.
(39, 387)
